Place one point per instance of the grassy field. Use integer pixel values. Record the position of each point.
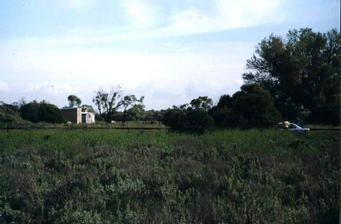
(134, 176)
(97, 125)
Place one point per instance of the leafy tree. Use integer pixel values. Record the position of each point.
(222, 112)
(43, 111)
(136, 113)
(250, 107)
(74, 101)
(30, 111)
(107, 102)
(224, 101)
(201, 103)
(199, 120)
(253, 107)
(190, 117)
(88, 108)
(9, 113)
(49, 113)
(129, 101)
(176, 118)
(301, 71)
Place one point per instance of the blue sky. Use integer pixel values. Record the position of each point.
(168, 51)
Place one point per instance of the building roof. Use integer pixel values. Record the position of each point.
(69, 108)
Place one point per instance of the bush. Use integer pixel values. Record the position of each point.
(188, 120)
(250, 107)
(176, 119)
(9, 114)
(199, 120)
(36, 112)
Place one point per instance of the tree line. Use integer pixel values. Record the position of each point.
(293, 78)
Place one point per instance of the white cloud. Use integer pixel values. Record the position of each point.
(140, 14)
(53, 88)
(3, 86)
(228, 15)
(146, 20)
(173, 74)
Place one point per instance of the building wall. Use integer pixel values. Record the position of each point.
(73, 115)
(90, 117)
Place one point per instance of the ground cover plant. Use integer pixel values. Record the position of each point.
(134, 176)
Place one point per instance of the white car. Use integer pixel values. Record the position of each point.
(295, 127)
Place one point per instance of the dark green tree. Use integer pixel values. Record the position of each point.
(49, 113)
(9, 113)
(222, 112)
(74, 101)
(253, 107)
(201, 103)
(190, 117)
(43, 111)
(176, 119)
(30, 111)
(301, 71)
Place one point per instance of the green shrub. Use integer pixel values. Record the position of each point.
(9, 114)
(36, 112)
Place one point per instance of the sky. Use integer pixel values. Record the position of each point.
(168, 51)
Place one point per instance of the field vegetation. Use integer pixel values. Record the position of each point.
(134, 176)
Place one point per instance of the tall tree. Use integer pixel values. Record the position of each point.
(128, 102)
(74, 101)
(201, 103)
(107, 102)
(301, 71)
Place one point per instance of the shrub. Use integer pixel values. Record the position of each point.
(250, 107)
(199, 120)
(176, 119)
(9, 114)
(36, 112)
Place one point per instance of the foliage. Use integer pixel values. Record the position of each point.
(36, 112)
(253, 107)
(250, 107)
(107, 103)
(199, 120)
(201, 103)
(135, 113)
(86, 107)
(301, 71)
(74, 101)
(154, 115)
(176, 118)
(192, 117)
(9, 113)
(110, 176)
(130, 101)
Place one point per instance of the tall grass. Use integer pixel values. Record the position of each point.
(133, 176)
